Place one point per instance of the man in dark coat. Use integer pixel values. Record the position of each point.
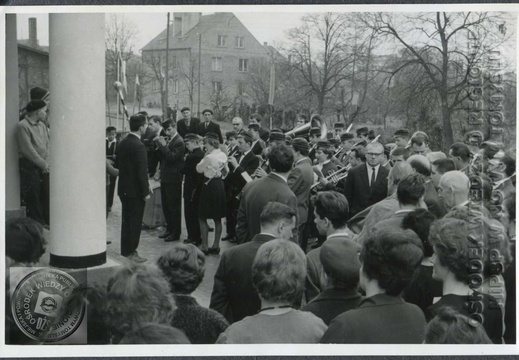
(258, 193)
(154, 129)
(171, 162)
(111, 144)
(188, 124)
(208, 125)
(192, 183)
(366, 184)
(242, 168)
(257, 119)
(133, 189)
(233, 293)
(258, 145)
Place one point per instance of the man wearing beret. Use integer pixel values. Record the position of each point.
(208, 125)
(133, 190)
(188, 124)
(33, 140)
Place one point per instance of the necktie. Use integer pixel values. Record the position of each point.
(372, 177)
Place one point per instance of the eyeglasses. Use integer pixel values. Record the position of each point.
(374, 154)
(235, 124)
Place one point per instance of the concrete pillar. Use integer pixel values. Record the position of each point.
(12, 174)
(77, 155)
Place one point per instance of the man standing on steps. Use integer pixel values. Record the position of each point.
(133, 190)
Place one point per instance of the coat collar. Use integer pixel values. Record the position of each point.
(337, 294)
(381, 300)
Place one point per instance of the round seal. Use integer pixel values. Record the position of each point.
(42, 308)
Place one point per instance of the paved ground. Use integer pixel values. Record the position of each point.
(151, 247)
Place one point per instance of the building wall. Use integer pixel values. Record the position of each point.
(33, 70)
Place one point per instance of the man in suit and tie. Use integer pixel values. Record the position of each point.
(188, 124)
(260, 192)
(366, 184)
(209, 126)
(133, 190)
(242, 167)
(258, 145)
(300, 182)
(171, 162)
(154, 129)
(111, 144)
(233, 293)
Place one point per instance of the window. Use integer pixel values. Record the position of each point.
(238, 42)
(243, 65)
(216, 64)
(217, 86)
(222, 40)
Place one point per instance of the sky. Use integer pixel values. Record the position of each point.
(266, 27)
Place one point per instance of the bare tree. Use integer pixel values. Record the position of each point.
(446, 46)
(188, 71)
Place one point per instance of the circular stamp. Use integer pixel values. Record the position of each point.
(42, 306)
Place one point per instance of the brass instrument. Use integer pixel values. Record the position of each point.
(334, 177)
(338, 151)
(315, 121)
(264, 162)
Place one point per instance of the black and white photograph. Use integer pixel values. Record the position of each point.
(259, 180)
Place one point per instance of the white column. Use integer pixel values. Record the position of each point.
(12, 174)
(77, 155)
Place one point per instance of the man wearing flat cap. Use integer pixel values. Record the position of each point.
(33, 141)
(187, 124)
(133, 190)
(347, 142)
(401, 137)
(38, 93)
(339, 129)
(362, 134)
(208, 125)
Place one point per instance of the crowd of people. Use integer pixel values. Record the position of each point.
(412, 244)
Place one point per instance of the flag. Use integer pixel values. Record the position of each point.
(272, 86)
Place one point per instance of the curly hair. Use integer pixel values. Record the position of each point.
(279, 271)
(392, 257)
(411, 189)
(137, 295)
(24, 241)
(451, 327)
(184, 267)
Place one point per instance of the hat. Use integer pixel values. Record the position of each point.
(340, 260)
(137, 121)
(276, 136)
(207, 110)
(34, 105)
(247, 137)
(300, 144)
(402, 132)
(38, 93)
(362, 143)
(362, 130)
(339, 125)
(211, 135)
(231, 134)
(323, 144)
(184, 109)
(192, 137)
(347, 136)
(315, 131)
(166, 124)
(334, 142)
(276, 130)
(254, 127)
(387, 149)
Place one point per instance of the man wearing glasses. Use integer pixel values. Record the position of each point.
(208, 125)
(366, 184)
(237, 125)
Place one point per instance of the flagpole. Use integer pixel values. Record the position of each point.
(118, 100)
(135, 92)
(165, 105)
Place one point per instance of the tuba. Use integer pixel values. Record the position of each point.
(315, 121)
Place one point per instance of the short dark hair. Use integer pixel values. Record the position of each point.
(281, 158)
(184, 266)
(110, 129)
(155, 119)
(418, 140)
(256, 116)
(24, 241)
(359, 153)
(304, 117)
(392, 257)
(275, 211)
(444, 165)
(420, 222)
(509, 162)
(462, 150)
(145, 113)
(419, 166)
(410, 189)
(231, 134)
(155, 334)
(451, 327)
(136, 121)
(168, 123)
(333, 206)
(399, 151)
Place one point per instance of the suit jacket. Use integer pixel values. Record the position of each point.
(233, 295)
(358, 191)
(172, 160)
(235, 181)
(300, 181)
(264, 134)
(256, 195)
(132, 162)
(110, 149)
(433, 202)
(153, 155)
(211, 127)
(258, 147)
(193, 179)
(183, 129)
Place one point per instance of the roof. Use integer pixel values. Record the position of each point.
(25, 44)
(205, 25)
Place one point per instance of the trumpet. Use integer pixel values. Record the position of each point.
(335, 177)
(338, 151)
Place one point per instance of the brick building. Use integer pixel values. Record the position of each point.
(33, 64)
(228, 52)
